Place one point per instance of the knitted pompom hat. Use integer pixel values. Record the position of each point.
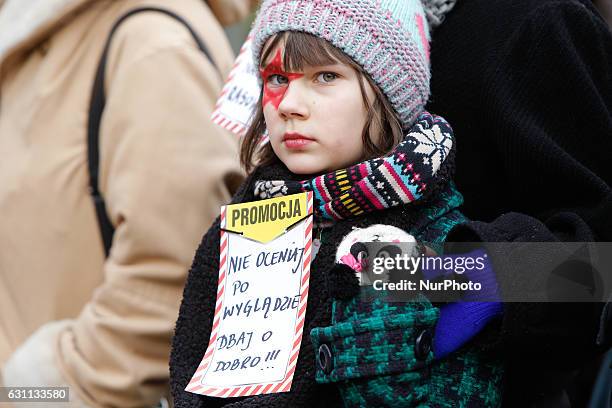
(388, 38)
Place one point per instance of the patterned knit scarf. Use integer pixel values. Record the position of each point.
(401, 177)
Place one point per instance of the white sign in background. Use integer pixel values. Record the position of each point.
(236, 104)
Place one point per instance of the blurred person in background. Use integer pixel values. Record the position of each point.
(69, 315)
(534, 167)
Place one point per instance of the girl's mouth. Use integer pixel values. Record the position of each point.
(294, 140)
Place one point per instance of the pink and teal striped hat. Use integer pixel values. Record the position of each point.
(388, 38)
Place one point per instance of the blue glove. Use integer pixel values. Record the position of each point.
(460, 321)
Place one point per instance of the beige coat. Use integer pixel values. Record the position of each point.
(67, 315)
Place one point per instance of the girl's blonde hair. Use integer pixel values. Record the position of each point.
(302, 49)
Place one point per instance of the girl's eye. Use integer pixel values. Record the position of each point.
(276, 80)
(326, 77)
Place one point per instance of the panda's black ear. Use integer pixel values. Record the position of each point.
(357, 248)
(343, 284)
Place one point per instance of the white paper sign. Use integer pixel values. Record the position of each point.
(261, 298)
(236, 105)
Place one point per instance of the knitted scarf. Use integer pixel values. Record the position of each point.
(409, 172)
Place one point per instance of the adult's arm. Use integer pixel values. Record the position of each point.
(545, 123)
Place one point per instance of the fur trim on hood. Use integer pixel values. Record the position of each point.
(20, 20)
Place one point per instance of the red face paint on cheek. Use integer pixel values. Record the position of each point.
(275, 67)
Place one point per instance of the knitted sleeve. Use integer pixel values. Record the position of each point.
(542, 330)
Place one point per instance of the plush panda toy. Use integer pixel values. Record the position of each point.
(359, 248)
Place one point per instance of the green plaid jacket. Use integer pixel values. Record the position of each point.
(373, 346)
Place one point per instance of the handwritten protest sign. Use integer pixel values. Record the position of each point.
(264, 272)
(236, 104)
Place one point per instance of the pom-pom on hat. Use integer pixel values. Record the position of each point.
(388, 38)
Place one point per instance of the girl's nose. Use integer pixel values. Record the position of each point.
(293, 106)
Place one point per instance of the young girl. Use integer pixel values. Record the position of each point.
(343, 90)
